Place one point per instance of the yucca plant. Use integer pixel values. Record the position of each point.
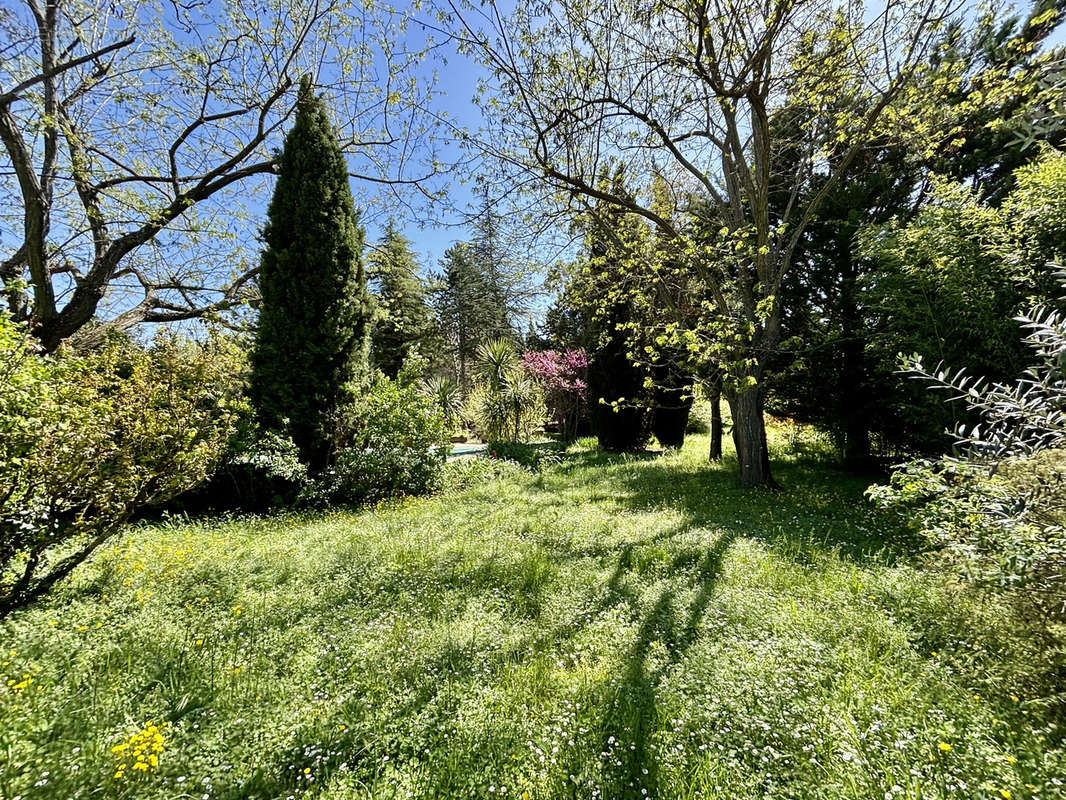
(445, 393)
(507, 404)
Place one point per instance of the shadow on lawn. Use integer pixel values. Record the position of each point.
(822, 509)
(667, 623)
(629, 720)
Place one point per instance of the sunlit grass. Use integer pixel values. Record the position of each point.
(611, 627)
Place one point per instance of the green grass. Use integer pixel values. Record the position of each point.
(608, 628)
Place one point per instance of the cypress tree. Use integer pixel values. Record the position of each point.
(617, 392)
(315, 309)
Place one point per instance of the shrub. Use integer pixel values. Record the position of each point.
(997, 509)
(261, 471)
(671, 404)
(531, 456)
(462, 473)
(699, 418)
(507, 403)
(562, 377)
(87, 440)
(389, 440)
(618, 397)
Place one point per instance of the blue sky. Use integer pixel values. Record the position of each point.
(432, 233)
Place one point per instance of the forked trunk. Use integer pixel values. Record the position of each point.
(749, 437)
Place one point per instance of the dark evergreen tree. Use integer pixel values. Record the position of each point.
(499, 279)
(315, 310)
(469, 308)
(618, 393)
(847, 315)
(405, 321)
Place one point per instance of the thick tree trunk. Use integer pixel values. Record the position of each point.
(715, 452)
(749, 437)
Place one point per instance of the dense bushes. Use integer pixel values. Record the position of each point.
(388, 440)
(997, 509)
(89, 439)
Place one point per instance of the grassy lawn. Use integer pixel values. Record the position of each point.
(611, 628)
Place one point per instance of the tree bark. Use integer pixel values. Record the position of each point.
(715, 452)
(852, 395)
(749, 438)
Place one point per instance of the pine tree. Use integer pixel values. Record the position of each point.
(469, 307)
(404, 321)
(498, 277)
(315, 310)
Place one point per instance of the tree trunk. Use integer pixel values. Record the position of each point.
(749, 437)
(852, 392)
(715, 453)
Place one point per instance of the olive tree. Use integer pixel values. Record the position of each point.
(691, 92)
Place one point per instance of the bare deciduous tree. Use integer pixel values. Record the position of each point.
(137, 136)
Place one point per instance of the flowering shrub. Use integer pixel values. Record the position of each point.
(563, 376)
(87, 440)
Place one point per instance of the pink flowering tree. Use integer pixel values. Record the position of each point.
(563, 377)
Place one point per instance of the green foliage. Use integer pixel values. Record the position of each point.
(460, 474)
(507, 403)
(471, 306)
(699, 418)
(261, 471)
(388, 441)
(531, 456)
(997, 509)
(404, 323)
(611, 625)
(314, 319)
(1034, 218)
(88, 440)
(444, 392)
(942, 289)
(618, 309)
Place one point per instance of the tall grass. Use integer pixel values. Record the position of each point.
(610, 627)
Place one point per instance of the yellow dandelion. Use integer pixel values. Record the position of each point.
(1004, 794)
(944, 747)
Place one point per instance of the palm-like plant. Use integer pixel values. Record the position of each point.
(497, 363)
(445, 393)
(508, 406)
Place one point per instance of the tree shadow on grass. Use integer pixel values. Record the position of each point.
(630, 720)
(667, 623)
(823, 508)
